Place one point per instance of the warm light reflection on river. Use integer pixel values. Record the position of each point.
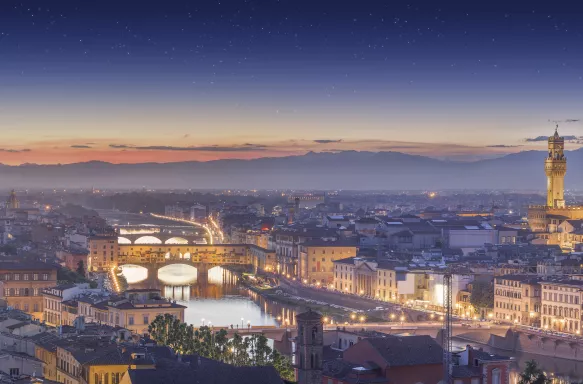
(215, 297)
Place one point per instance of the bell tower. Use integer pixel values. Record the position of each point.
(555, 169)
(309, 347)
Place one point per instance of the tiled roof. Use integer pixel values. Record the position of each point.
(461, 371)
(26, 266)
(329, 243)
(348, 260)
(485, 356)
(407, 350)
(197, 370)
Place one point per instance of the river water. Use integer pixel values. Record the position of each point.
(217, 299)
(220, 300)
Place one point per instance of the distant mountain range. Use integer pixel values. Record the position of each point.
(343, 170)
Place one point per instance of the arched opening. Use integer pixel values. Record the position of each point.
(134, 273)
(187, 256)
(177, 274)
(123, 240)
(176, 240)
(148, 240)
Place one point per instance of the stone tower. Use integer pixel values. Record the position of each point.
(12, 201)
(309, 347)
(555, 169)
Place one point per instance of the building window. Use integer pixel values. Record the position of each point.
(45, 276)
(496, 376)
(146, 320)
(131, 320)
(14, 372)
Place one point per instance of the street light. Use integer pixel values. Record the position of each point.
(242, 320)
(202, 322)
(392, 316)
(362, 319)
(402, 318)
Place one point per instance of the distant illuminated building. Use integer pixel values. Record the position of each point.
(546, 219)
(12, 202)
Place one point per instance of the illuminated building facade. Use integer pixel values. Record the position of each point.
(103, 251)
(562, 302)
(316, 259)
(12, 202)
(517, 299)
(23, 284)
(546, 218)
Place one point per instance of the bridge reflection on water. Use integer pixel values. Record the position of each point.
(214, 296)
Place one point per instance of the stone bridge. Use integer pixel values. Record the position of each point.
(158, 238)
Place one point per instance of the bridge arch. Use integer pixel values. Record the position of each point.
(148, 240)
(134, 273)
(178, 274)
(123, 240)
(176, 240)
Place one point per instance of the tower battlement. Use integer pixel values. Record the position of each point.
(555, 169)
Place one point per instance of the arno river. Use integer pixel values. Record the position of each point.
(220, 300)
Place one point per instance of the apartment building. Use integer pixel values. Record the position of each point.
(517, 299)
(53, 299)
(561, 305)
(135, 310)
(317, 256)
(103, 251)
(22, 285)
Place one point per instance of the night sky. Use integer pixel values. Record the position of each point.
(133, 81)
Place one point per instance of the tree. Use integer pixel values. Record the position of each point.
(81, 268)
(240, 351)
(482, 295)
(532, 374)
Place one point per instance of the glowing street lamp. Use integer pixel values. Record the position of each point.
(362, 319)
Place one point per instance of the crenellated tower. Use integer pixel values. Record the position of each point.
(555, 169)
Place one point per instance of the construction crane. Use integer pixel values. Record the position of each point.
(447, 327)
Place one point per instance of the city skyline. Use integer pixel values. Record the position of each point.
(234, 79)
